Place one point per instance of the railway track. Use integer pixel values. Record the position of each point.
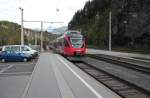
(119, 86)
(144, 68)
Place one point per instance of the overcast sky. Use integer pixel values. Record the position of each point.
(43, 10)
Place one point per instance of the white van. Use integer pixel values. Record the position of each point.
(20, 48)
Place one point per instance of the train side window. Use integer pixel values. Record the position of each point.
(66, 43)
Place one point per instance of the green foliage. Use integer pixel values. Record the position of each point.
(93, 19)
(9, 33)
(130, 23)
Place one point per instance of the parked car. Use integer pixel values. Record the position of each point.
(21, 49)
(14, 56)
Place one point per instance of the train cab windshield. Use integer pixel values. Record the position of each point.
(77, 41)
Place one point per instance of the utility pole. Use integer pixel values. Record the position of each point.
(110, 31)
(42, 36)
(22, 33)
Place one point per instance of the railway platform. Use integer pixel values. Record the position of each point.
(55, 77)
(130, 57)
(122, 54)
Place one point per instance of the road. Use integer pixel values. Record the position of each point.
(14, 77)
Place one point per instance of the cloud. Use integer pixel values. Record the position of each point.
(44, 10)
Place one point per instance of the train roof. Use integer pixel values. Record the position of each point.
(72, 32)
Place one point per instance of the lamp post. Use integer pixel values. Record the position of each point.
(110, 31)
(22, 33)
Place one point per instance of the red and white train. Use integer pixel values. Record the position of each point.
(71, 43)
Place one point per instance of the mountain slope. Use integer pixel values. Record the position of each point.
(9, 33)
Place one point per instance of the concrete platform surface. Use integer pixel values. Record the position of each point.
(55, 77)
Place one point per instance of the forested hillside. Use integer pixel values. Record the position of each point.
(9, 33)
(130, 23)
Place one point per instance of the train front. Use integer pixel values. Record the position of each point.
(76, 44)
